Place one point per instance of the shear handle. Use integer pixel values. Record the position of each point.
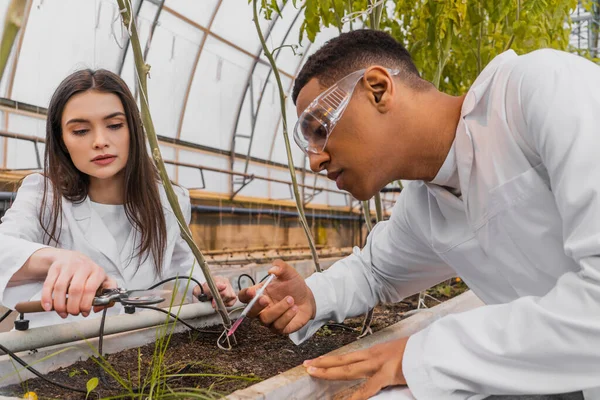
(104, 297)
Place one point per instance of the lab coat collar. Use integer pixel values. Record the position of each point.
(483, 81)
(95, 231)
(464, 140)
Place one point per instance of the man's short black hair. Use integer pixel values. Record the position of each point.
(353, 51)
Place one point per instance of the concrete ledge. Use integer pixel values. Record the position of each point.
(296, 384)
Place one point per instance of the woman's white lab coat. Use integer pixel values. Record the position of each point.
(525, 237)
(83, 230)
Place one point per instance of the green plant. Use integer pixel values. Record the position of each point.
(450, 41)
(269, 54)
(91, 385)
(75, 372)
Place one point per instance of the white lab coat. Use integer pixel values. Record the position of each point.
(83, 230)
(525, 237)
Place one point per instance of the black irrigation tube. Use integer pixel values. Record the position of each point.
(101, 337)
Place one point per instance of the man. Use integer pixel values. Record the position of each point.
(505, 193)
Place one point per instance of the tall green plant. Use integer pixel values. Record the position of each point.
(461, 36)
(12, 24)
(272, 7)
(142, 70)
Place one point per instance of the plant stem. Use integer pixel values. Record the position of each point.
(12, 23)
(443, 55)
(378, 208)
(299, 200)
(142, 70)
(512, 37)
(367, 214)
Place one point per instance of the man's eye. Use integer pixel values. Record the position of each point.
(321, 132)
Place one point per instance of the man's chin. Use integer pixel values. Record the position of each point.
(362, 195)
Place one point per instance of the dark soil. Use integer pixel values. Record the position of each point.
(260, 354)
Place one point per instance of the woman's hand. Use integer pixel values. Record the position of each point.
(76, 275)
(225, 291)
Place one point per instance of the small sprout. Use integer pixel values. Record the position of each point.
(91, 385)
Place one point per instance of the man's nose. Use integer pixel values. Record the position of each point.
(318, 162)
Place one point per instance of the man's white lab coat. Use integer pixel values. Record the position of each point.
(83, 230)
(524, 235)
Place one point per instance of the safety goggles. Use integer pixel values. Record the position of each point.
(317, 121)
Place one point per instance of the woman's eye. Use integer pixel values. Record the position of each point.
(80, 132)
(115, 127)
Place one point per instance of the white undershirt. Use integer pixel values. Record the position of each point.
(116, 221)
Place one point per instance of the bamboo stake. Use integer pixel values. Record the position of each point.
(142, 70)
(12, 24)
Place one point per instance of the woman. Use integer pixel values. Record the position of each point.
(99, 216)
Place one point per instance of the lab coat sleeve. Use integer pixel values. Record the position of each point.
(183, 260)
(21, 235)
(547, 344)
(395, 263)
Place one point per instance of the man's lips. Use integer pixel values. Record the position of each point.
(333, 175)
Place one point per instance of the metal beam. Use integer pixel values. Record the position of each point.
(12, 106)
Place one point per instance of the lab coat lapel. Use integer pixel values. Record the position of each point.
(464, 140)
(95, 231)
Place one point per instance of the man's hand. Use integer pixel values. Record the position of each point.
(380, 364)
(225, 291)
(287, 303)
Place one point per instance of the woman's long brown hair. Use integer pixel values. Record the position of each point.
(142, 198)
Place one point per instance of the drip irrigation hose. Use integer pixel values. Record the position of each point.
(239, 281)
(39, 375)
(101, 339)
(6, 314)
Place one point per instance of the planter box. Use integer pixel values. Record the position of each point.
(297, 384)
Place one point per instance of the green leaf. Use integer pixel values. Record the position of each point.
(91, 385)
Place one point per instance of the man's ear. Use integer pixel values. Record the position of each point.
(380, 87)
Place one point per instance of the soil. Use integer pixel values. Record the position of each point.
(259, 354)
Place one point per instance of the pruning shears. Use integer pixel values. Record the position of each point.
(107, 297)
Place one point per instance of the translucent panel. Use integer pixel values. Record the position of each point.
(208, 180)
(20, 154)
(260, 188)
(198, 11)
(3, 11)
(214, 100)
(26, 125)
(171, 57)
(285, 33)
(87, 42)
(234, 24)
(247, 125)
(268, 117)
(2, 141)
